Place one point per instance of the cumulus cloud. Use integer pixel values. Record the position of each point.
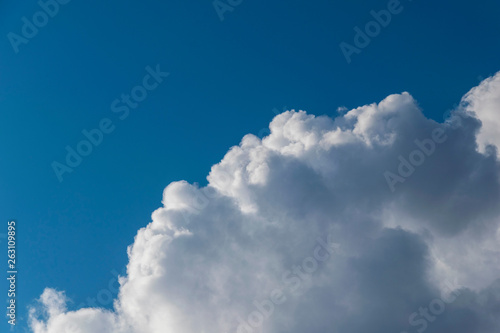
(378, 220)
(483, 101)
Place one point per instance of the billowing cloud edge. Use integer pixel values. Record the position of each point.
(379, 219)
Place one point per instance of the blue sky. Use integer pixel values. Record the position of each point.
(226, 77)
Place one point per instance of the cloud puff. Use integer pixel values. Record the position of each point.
(379, 220)
(483, 101)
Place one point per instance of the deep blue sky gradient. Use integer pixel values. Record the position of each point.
(225, 79)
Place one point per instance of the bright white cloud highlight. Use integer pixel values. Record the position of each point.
(483, 101)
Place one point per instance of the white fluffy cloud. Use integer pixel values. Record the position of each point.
(483, 101)
(303, 231)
